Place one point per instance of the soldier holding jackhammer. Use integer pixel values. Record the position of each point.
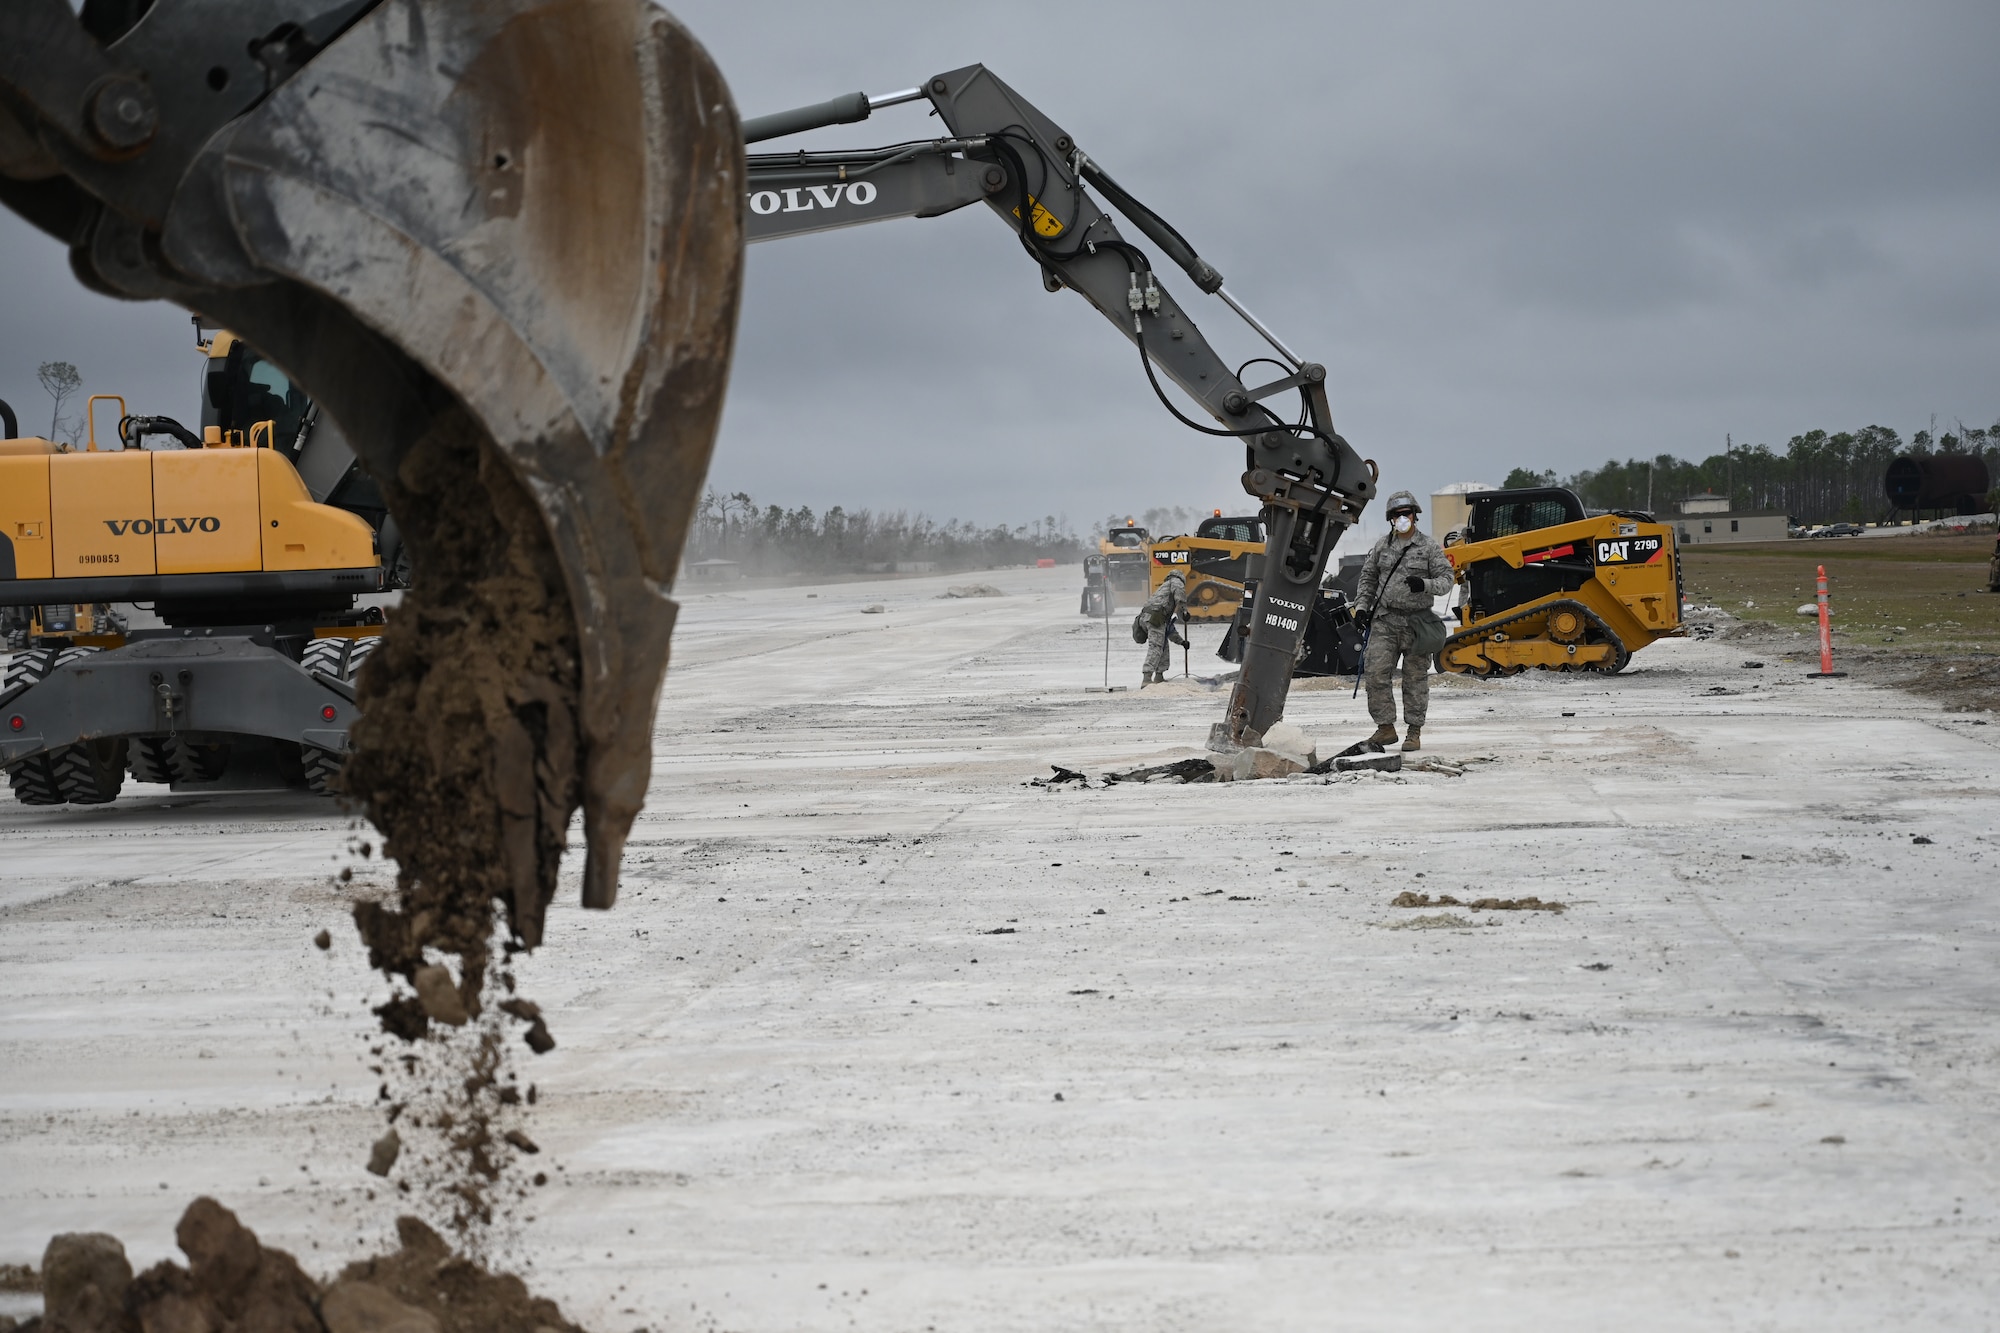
(1404, 573)
(1159, 615)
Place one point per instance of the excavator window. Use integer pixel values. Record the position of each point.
(1509, 513)
(244, 389)
(1231, 529)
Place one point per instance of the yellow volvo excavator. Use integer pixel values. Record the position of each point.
(255, 580)
(501, 245)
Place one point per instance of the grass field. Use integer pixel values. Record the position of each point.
(1924, 594)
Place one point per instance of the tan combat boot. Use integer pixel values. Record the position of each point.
(1414, 740)
(1384, 734)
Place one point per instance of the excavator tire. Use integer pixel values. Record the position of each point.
(341, 659)
(172, 759)
(87, 773)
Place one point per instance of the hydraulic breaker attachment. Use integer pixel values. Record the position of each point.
(500, 243)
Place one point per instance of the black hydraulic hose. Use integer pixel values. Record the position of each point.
(1137, 261)
(1146, 360)
(134, 429)
(10, 421)
(1156, 227)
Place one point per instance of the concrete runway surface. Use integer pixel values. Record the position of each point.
(1751, 1079)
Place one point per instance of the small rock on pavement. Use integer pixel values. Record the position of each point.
(438, 995)
(873, 609)
(522, 1142)
(384, 1154)
(972, 590)
(362, 1307)
(323, 941)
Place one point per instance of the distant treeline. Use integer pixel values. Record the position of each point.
(1816, 478)
(770, 539)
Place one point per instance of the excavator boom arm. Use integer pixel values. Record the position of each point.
(1032, 174)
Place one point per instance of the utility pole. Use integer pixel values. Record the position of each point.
(1729, 468)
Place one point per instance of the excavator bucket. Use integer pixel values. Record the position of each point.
(500, 242)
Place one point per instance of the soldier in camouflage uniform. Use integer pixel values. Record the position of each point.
(1405, 572)
(1160, 613)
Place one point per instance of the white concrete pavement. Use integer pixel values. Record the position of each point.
(1748, 1079)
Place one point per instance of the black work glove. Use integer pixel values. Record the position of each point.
(1364, 617)
(1416, 584)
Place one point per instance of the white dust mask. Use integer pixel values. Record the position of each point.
(1403, 522)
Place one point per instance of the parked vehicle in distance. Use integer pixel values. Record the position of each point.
(1840, 530)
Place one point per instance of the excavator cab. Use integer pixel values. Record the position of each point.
(240, 387)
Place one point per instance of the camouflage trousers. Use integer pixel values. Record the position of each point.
(1159, 653)
(1389, 640)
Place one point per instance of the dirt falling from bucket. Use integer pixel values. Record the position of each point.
(466, 758)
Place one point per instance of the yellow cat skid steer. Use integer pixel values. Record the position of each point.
(1545, 585)
(1217, 562)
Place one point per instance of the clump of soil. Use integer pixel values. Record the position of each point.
(1409, 899)
(466, 755)
(232, 1282)
(467, 758)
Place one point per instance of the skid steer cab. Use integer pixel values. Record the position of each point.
(1544, 584)
(256, 583)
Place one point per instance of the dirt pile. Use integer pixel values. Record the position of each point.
(232, 1282)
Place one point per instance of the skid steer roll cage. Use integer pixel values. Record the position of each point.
(1005, 153)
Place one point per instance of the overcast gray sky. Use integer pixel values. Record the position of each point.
(1531, 233)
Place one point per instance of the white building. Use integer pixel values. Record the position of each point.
(1707, 519)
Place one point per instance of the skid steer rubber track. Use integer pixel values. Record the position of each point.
(87, 773)
(341, 659)
(1620, 657)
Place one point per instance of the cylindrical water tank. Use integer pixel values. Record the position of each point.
(1938, 481)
